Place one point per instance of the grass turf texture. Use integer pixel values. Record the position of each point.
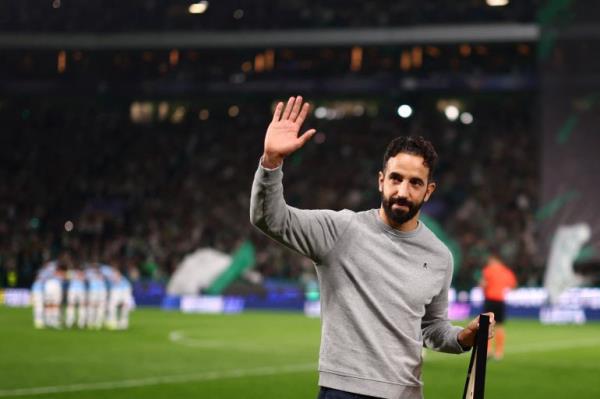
(261, 355)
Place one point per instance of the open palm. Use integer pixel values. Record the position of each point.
(282, 134)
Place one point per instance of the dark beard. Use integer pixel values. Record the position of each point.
(400, 216)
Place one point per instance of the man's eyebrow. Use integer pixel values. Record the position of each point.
(397, 175)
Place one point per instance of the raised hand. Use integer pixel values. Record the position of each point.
(282, 134)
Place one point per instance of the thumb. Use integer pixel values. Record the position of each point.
(307, 136)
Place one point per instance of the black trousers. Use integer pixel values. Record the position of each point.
(499, 309)
(330, 393)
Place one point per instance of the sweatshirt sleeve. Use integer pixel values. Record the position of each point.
(312, 233)
(438, 333)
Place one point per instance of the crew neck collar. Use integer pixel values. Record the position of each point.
(389, 229)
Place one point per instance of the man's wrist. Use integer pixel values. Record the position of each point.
(461, 337)
(271, 162)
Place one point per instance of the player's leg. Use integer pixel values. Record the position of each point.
(38, 309)
(113, 304)
(125, 307)
(100, 310)
(500, 339)
(91, 310)
(499, 309)
(53, 299)
(81, 310)
(71, 304)
(123, 323)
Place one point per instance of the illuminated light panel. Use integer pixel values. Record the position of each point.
(198, 8)
(238, 14)
(61, 62)
(233, 111)
(204, 114)
(69, 226)
(451, 112)
(466, 118)
(320, 112)
(356, 58)
(496, 3)
(405, 111)
(174, 57)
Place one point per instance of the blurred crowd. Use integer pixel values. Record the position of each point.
(153, 15)
(466, 66)
(79, 174)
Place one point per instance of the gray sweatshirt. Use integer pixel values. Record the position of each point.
(384, 293)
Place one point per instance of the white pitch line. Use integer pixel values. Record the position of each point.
(255, 372)
(170, 379)
(180, 338)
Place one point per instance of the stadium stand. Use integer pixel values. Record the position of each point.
(140, 156)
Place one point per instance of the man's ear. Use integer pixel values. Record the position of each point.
(430, 189)
(380, 181)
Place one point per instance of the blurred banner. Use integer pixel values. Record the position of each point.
(570, 120)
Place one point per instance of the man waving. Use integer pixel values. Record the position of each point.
(384, 276)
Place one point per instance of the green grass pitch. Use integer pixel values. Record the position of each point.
(262, 355)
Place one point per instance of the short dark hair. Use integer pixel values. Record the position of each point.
(415, 145)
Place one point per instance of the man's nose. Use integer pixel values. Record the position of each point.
(402, 189)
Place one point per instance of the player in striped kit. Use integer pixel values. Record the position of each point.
(37, 301)
(53, 296)
(76, 299)
(120, 302)
(97, 294)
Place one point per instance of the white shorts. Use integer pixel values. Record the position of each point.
(53, 292)
(97, 297)
(120, 297)
(75, 297)
(37, 299)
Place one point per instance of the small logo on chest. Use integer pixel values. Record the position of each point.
(425, 265)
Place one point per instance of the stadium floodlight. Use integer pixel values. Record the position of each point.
(238, 14)
(198, 8)
(204, 114)
(405, 111)
(451, 112)
(69, 226)
(233, 111)
(497, 3)
(466, 118)
(320, 112)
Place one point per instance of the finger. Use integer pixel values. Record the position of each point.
(307, 135)
(492, 330)
(288, 109)
(303, 113)
(296, 109)
(277, 113)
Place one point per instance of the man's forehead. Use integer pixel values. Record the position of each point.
(407, 164)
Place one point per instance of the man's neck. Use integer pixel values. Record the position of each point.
(405, 227)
